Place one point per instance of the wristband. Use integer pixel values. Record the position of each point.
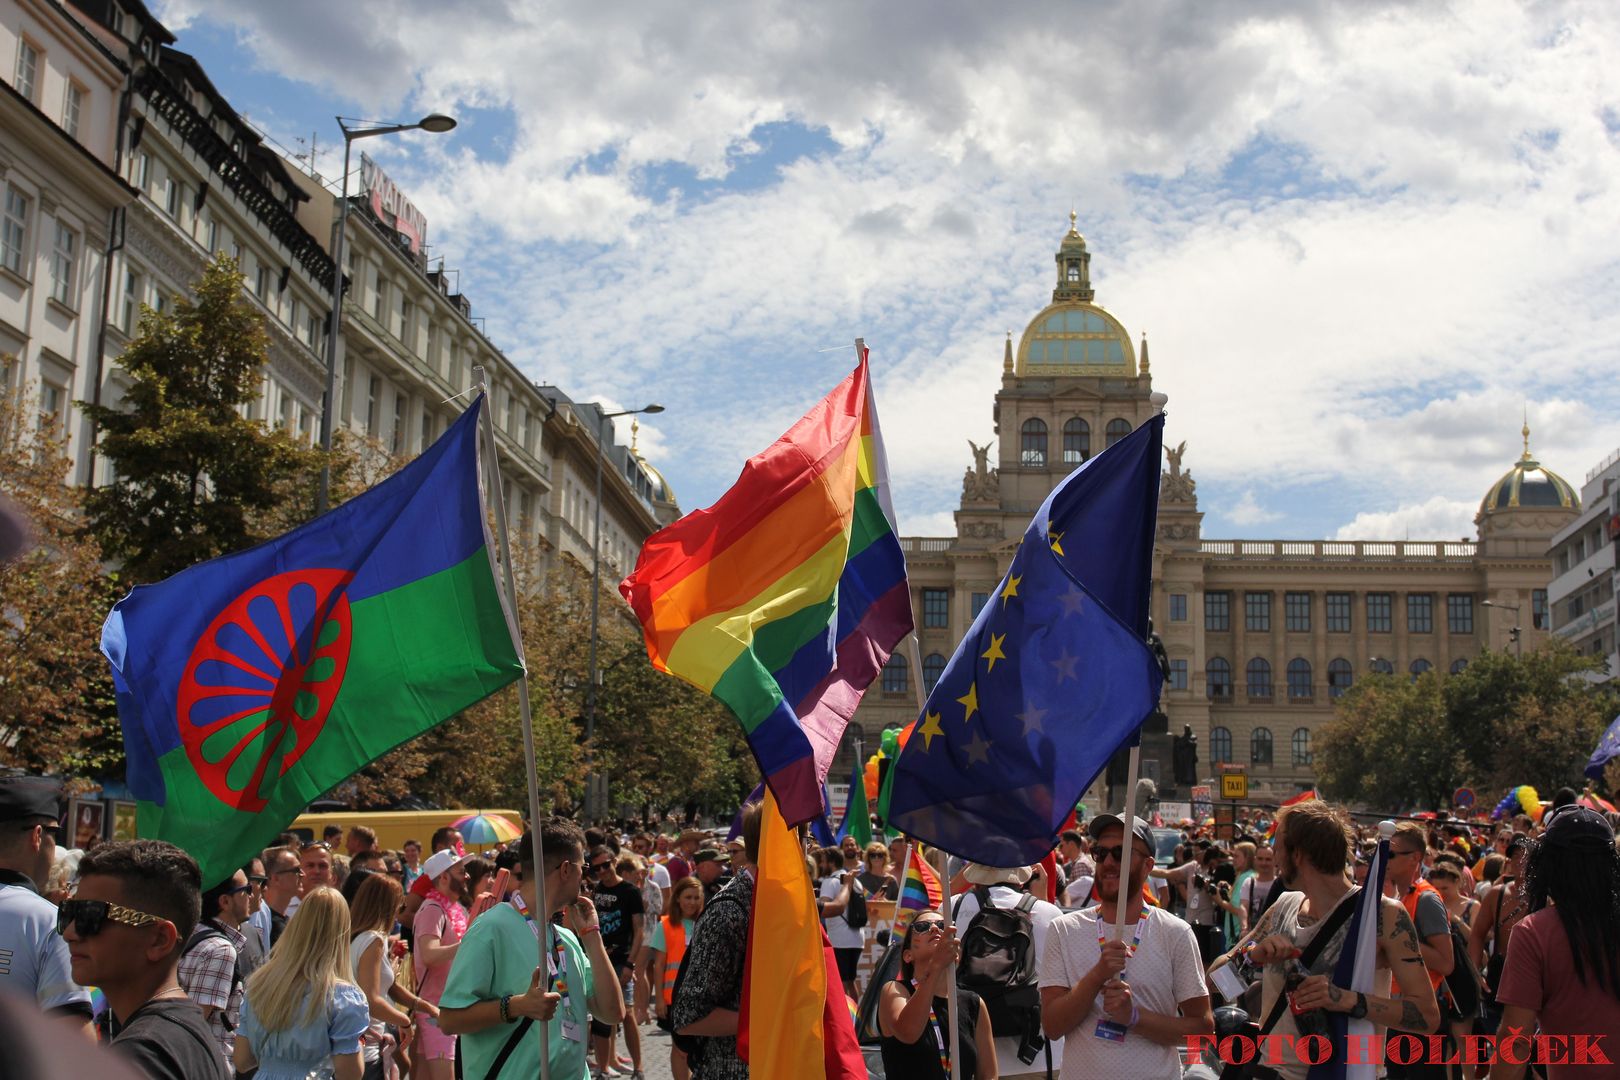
(592, 930)
(506, 1003)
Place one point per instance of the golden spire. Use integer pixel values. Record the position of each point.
(1074, 230)
(635, 433)
(1525, 431)
(1006, 357)
(1144, 353)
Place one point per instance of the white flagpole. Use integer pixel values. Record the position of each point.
(1129, 845)
(950, 988)
(542, 916)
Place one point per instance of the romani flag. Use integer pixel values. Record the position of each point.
(785, 598)
(253, 683)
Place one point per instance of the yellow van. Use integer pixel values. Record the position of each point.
(394, 827)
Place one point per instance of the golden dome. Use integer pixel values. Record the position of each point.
(1529, 484)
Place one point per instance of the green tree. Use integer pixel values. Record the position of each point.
(56, 697)
(194, 474)
(1389, 745)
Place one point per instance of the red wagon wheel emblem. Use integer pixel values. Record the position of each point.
(261, 682)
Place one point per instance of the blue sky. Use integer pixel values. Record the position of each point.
(1360, 237)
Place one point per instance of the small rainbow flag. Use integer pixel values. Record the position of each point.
(920, 891)
(785, 598)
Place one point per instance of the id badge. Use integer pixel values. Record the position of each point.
(570, 1027)
(1107, 1029)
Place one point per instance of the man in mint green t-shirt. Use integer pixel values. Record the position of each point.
(494, 983)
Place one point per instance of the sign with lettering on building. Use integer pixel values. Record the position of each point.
(1234, 785)
(390, 205)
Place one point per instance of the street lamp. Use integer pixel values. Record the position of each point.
(1516, 633)
(596, 596)
(438, 124)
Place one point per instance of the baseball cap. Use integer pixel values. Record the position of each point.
(1578, 828)
(1142, 830)
(23, 797)
(710, 854)
(440, 861)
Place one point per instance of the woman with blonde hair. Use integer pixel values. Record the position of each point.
(302, 1014)
(666, 944)
(371, 920)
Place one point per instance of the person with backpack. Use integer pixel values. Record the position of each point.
(1003, 929)
(843, 913)
(1123, 1007)
(211, 967)
(1403, 880)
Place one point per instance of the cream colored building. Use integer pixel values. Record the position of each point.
(1262, 635)
(61, 205)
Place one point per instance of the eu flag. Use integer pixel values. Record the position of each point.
(1054, 675)
(1607, 750)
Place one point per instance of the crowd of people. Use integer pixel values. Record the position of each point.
(332, 957)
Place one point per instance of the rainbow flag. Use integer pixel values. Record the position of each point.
(920, 892)
(795, 1022)
(785, 598)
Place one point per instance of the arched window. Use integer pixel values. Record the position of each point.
(1340, 676)
(1220, 745)
(896, 675)
(1419, 666)
(1459, 666)
(1259, 677)
(1218, 677)
(933, 668)
(1032, 448)
(1260, 746)
(1382, 666)
(1299, 678)
(1302, 746)
(1076, 441)
(1117, 429)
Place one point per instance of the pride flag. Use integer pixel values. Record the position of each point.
(795, 1022)
(785, 598)
(919, 892)
(253, 683)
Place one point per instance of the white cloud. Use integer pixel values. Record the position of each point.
(1248, 511)
(1436, 518)
(1360, 234)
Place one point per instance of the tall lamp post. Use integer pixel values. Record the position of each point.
(1517, 631)
(596, 600)
(438, 123)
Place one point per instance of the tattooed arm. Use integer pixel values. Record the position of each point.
(1415, 1010)
(1262, 927)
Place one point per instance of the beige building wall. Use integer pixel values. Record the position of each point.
(1301, 618)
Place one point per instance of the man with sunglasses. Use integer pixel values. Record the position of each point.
(211, 970)
(137, 903)
(37, 959)
(283, 878)
(1122, 1007)
(621, 911)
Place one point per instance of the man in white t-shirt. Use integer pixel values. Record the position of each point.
(1122, 1007)
(1006, 886)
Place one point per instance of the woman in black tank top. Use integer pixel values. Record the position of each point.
(912, 1015)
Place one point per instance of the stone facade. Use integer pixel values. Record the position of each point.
(1262, 635)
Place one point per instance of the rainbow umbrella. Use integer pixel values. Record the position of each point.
(483, 830)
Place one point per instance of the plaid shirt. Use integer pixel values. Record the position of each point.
(208, 975)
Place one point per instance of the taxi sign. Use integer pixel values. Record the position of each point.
(1234, 785)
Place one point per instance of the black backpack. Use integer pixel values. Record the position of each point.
(855, 914)
(1462, 986)
(998, 963)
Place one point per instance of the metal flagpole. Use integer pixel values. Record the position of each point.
(950, 989)
(542, 915)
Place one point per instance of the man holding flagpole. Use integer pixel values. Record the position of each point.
(1122, 1007)
(1313, 849)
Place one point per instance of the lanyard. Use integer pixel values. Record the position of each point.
(559, 959)
(940, 1041)
(1136, 941)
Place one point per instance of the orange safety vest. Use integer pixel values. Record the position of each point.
(1410, 901)
(674, 949)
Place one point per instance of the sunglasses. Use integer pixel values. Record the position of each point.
(597, 868)
(258, 881)
(88, 917)
(1117, 853)
(237, 890)
(928, 926)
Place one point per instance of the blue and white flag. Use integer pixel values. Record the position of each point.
(1354, 970)
(1608, 749)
